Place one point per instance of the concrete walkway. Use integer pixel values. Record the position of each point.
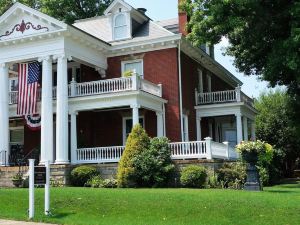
(11, 222)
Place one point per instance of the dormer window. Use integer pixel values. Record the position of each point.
(120, 27)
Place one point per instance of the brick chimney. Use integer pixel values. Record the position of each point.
(182, 19)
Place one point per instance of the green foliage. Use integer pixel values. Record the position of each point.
(232, 175)
(264, 36)
(275, 124)
(80, 175)
(153, 166)
(94, 182)
(138, 141)
(213, 182)
(193, 176)
(110, 183)
(65, 10)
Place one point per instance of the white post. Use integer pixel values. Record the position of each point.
(245, 128)
(135, 81)
(4, 114)
(238, 93)
(31, 188)
(198, 125)
(47, 189)
(160, 124)
(135, 114)
(196, 97)
(74, 137)
(208, 147)
(239, 129)
(73, 87)
(47, 112)
(227, 149)
(253, 137)
(62, 112)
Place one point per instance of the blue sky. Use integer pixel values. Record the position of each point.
(166, 9)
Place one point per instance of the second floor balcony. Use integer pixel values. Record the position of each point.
(227, 96)
(101, 87)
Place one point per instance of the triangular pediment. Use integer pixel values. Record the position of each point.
(116, 5)
(21, 21)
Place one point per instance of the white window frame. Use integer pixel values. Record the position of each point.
(17, 128)
(124, 126)
(114, 26)
(123, 63)
(10, 81)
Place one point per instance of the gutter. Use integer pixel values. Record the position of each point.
(180, 91)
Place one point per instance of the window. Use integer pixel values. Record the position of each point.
(135, 65)
(120, 27)
(13, 84)
(17, 136)
(127, 127)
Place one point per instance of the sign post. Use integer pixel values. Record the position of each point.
(47, 189)
(31, 188)
(39, 175)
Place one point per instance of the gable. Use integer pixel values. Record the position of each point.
(21, 21)
(116, 5)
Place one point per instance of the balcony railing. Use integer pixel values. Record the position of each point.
(222, 97)
(116, 85)
(179, 150)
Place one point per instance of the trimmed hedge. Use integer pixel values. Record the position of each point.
(137, 142)
(193, 176)
(82, 174)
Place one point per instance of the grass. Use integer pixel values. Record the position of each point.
(276, 205)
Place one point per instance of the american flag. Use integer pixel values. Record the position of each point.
(28, 85)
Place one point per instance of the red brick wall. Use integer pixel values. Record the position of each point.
(190, 81)
(159, 67)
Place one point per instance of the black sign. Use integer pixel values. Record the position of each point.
(40, 175)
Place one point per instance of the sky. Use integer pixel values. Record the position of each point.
(166, 9)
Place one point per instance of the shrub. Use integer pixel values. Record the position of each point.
(153, 166)
(80, 175)
(213, 182)
(232, 175)
(136, 143)
(193, 176)
(94, 182)
(109, 183)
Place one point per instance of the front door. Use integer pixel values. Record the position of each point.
(230, 136)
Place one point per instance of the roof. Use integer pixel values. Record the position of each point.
(100, 27)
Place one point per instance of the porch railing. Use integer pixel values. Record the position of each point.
(179, 150)
(122, 84)
(222, 97)
(187, 150)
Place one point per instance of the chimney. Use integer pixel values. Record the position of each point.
(182, 19)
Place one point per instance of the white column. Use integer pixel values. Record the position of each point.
(238, 93)
(4, 114)
(253, 136)
(160, 124)
(135, 114)
(47, 112)
(245, 128)
(208, 147)
(198, 125)
(74, 137)
(239, 129)
(62, 111)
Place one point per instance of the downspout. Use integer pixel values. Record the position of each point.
(180, 91)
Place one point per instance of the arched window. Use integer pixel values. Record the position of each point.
(120, 27)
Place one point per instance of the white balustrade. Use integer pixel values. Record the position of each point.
(188, 150)
(217, 97)
(151, 88)
(179, 150)
(100, 155)
(103, 86)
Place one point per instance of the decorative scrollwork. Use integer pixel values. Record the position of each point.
(22, 27)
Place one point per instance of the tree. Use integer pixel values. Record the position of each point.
(275, 125)
(264, 37)
(65, 10)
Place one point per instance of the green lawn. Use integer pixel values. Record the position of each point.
(276, 205)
